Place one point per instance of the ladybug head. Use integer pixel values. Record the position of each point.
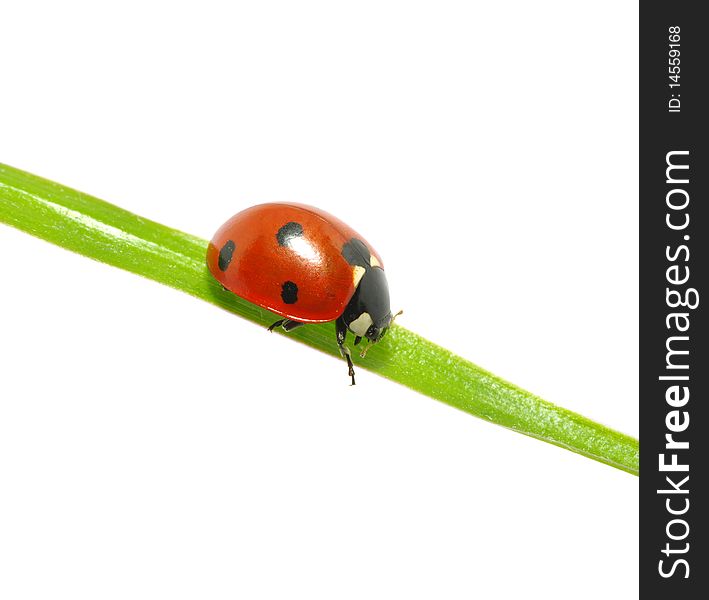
(368, 314)
(376, 332)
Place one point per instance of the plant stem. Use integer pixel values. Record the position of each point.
(107, 233)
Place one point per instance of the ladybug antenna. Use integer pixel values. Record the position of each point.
(367, 347)
(401, 312)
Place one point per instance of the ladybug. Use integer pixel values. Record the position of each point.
(306, 266)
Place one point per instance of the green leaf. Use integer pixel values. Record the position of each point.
(107, 233)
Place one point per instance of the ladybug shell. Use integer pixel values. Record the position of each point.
(288, 259)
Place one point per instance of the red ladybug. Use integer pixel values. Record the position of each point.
(307, 266)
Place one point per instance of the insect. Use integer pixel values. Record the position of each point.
(306, 266)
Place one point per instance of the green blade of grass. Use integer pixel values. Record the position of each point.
(107, 233)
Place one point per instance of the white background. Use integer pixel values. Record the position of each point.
(153, 446)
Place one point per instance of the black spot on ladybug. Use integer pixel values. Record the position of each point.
(288, 232)
(356, 253)
(225, 255)
(289, 292)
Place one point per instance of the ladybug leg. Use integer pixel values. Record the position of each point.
(350, 366)
(287, 325)
(291, 325)
(277, 324)
(341, 330)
